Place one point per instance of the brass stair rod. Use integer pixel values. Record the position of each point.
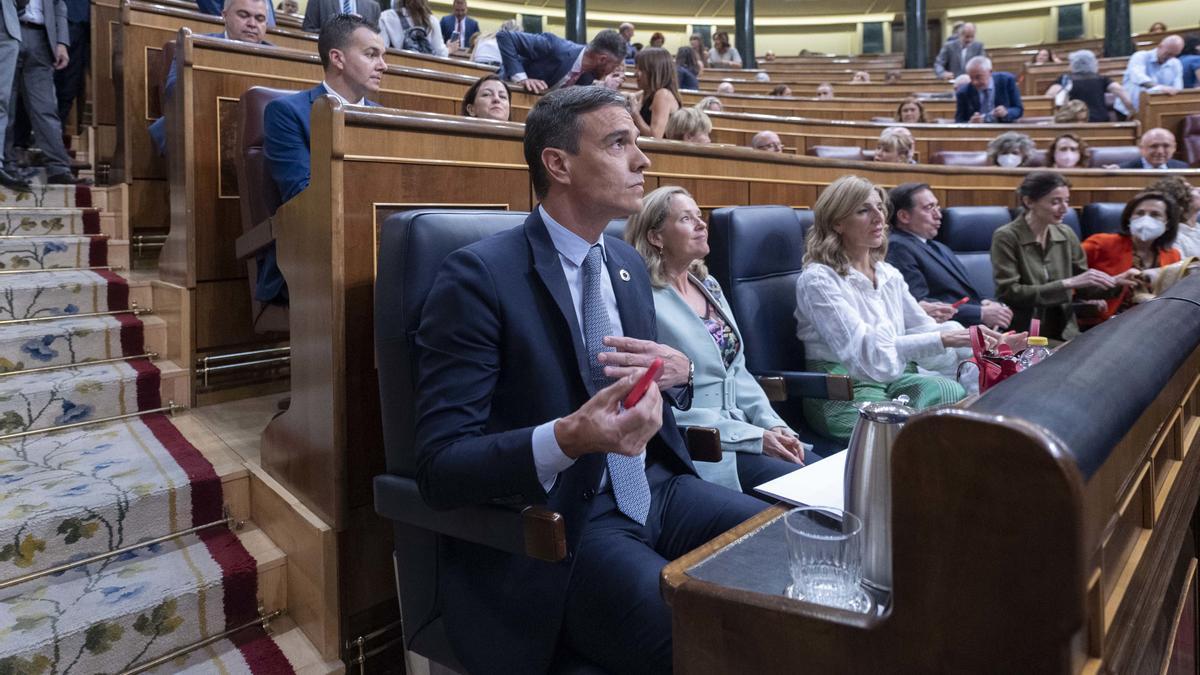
(205, 360)
(110, 268)
(8, 583)
(260, 621)
(171, 408)
(96, 362)
(133, 309)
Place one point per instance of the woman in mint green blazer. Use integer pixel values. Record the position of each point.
(694, 318)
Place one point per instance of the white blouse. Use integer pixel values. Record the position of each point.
(1188, 240)
(393, 31)
(873, 332)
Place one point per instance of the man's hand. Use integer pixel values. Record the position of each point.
(600, 425)
(633, 355)
(999, 112)
(977, 118)
(778, 443)
(534, 86)
(995, 314)
(938, 311)
(1169, 91)
(61, 59)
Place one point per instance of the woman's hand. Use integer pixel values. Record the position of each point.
(778, 443)
(938, 311)
(1092, 278)
(1130, 277)
(959, 337)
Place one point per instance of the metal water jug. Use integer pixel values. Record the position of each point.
(869, 484)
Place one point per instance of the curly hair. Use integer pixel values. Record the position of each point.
(1010, 141)
(823, 244)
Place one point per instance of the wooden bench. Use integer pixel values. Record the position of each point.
(875, 89)
(848, 108)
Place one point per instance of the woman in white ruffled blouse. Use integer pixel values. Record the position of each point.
(855, 315)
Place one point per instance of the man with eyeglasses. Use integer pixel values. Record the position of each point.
(767, 141)
(935, 276)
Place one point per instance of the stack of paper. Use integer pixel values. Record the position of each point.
(818, 484)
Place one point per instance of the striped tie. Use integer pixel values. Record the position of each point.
(347, 6)
(627, 474)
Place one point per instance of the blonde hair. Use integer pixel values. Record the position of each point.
(702, 104)
(656, 208)
(898, 140)
(836, 203)
(686, 121)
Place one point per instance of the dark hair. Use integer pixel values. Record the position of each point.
(685, 57)
(1038, 184)
(780, 89)
(911, 100)
(419, 12)
(1049, 53)
(1168, 236)
(901, 197)
(723, 36)
(657, 36)
(609, 42)
(336, 33)
(554, 123)
(1191, 44)
(1085, 152)
(469, 97)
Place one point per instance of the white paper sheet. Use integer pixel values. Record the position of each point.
(818, 484)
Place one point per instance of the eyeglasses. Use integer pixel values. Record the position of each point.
(930, 208)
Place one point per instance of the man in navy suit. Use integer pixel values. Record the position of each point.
(352, 53)
(459, 23)
(245, 21)
(541, 61)
(933, 273)
(514, 405)
(988, 97)
(1158, 152)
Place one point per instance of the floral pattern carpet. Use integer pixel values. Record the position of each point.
(70, 493)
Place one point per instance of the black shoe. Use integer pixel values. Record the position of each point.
(67, 179)
(12, 182)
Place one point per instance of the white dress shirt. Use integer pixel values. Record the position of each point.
(1144, 72)
(1188, 240)
(329, 90)
(34, 12)
(875, 332)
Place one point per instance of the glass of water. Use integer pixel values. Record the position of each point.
(825, 553)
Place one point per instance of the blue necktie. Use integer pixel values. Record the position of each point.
(347, 7)
(626, 474)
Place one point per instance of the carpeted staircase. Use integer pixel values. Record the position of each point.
(77, 350)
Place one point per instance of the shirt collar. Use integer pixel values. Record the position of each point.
(1147, 165)
(329, 90)
(568, 244)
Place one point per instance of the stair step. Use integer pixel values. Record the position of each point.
(50, 196)
(41, 294)
(49, 252)
(303, 655)
(78, 340)
(30, 220)
(36, 401)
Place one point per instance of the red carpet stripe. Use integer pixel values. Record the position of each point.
(91, 222)
(207, 497)
(239, 575)
(133, 337)
(149, 395)
(83, 196)
(261, 653)
(98, 252)
(118, 289)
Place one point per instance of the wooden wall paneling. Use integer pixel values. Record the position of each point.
(847, 108)
(106, 16)
(222, 314)
(1161, 110)
(149, 205)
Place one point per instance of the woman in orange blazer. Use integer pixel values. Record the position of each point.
(1148, 228)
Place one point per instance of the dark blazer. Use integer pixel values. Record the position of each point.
(286, 134)
(1007, 95)
(933, 277)
(541, 56)
(499, 351)
(319, 11)
(470, 27)
(1137, 164)
(687, 79)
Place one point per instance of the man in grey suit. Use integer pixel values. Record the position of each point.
(952, 60)
(319, 11)
(10, 50)
(44, 42)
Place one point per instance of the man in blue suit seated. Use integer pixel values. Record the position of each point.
(245, 21)
(1158, 152)
(528, 342)
(935, 276)
(988, 97)
(351, 52)
(459, 24)
(541, 61)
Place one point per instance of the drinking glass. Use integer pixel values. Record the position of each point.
(825, 553)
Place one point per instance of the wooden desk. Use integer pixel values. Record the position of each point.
(848, 108)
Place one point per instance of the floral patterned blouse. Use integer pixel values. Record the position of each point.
(720, 331)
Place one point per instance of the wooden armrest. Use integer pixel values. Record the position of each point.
(799, 384)
(255, 239)
(545, 534)
(774, 387)
(703, 443)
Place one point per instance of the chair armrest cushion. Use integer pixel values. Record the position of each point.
(703, 443)
(532, 530)
(802, 384)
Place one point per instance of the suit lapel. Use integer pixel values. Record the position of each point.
(549, 269)
(929, 252)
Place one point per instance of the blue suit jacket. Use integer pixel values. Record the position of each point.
(499, 351)
(541, 56)
(470, 27)
(286, 134)
(933, 277)
(1007, 95)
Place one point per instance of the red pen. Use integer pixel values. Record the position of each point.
(960, 302)
(639, 389)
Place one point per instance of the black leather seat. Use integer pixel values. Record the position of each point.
(1102, 217)
(756, 253)
(968, 231)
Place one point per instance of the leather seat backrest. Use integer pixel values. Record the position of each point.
(1189, 135)
(967, 229)
(805, 216)
(1071, 220)
(960, 157)
(836, 152)
(756, 253)
(1038, 158)
(1113, 154)
(258, 194)
(1101, 217)
(412, 246)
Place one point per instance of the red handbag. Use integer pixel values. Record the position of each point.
(995, 365)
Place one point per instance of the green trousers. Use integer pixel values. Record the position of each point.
(836, 419)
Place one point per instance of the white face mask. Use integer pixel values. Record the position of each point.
(1009, 160)
(1147, 228)
(1066, 158)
